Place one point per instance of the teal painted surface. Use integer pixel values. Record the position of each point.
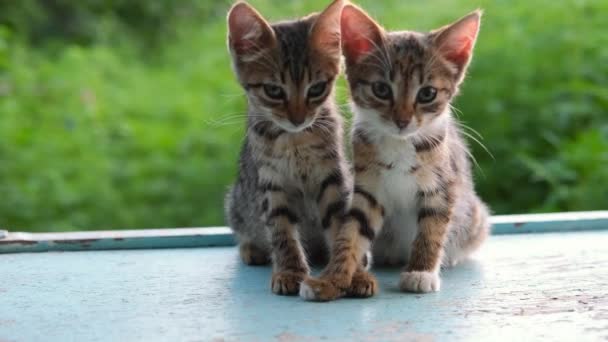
(213, 237)
(518, 287)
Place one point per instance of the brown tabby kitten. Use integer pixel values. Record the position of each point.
(293, 181)
(414, 196)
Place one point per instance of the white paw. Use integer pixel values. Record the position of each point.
(306, 292)
(421, 282)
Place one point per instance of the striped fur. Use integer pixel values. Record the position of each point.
(414, 202)
(293, 181)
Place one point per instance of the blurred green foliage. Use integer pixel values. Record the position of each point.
(125, 113)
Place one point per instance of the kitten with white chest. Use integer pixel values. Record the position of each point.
(414, 202)
(293, 182)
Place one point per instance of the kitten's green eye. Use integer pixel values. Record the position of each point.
(382, 90)
(426, 94)
(317, 89)
(274, 92)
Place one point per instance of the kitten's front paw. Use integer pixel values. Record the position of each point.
(364, 285)
(286, 282)
(419, 281)
(320, 290)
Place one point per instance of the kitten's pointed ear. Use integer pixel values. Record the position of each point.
(248, 32)
(360, 34)
(455, 42)
(325, 34)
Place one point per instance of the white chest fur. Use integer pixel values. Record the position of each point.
(397, 192)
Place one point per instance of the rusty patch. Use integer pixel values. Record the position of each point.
(76, 242)
(6, 322)
(286, 336)
(19, 242)
(518, 224)
(394, 331)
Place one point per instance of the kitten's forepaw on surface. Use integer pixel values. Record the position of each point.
(253, 255)
(320, 290)
(363, 285)
(419, 281)
(286, 282)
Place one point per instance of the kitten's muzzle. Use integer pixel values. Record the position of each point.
(295, 126)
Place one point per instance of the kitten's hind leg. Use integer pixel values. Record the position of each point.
(470, 229)
(252, 254)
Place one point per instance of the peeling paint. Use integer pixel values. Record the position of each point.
(18, 242)
(77, 242)
(291, 337)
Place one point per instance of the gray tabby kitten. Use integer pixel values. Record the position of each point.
(293, 181)
(414, 202)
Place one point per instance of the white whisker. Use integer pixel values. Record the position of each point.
(478, 142)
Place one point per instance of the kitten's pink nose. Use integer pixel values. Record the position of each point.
(402, 123)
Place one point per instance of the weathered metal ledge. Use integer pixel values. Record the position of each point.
(16, 242)
(116, 239)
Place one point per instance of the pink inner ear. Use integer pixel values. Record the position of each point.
(356, 46)
(242, 45)
(326, 31)
(357, 34)
(245, 29)
(459, 49)
(460, 52)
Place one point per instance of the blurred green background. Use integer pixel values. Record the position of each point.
(120, 114)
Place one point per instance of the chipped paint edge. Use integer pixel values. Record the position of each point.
(549, 223)
(118, 239)
(222, 236)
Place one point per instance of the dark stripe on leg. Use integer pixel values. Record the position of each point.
(264, 187)
(265, 205)
(430, 193)
(335, 209)
(334, 178)
(364, 228)
(424, 213)
(283, 211)
(368, 196)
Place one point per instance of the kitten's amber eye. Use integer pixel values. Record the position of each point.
(274, 92)
(426, 94)
(317, 89)
(382, 90)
